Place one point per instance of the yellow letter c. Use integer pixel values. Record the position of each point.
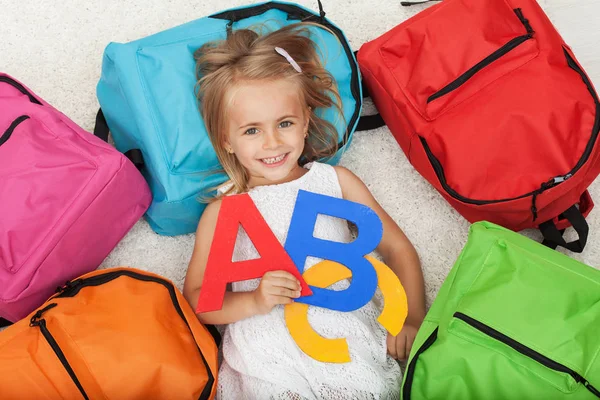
(326, 273)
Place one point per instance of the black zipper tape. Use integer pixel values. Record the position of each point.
(590, 146)
(439, 171)
(295, 12)
(524, 20)
(502, 51)
(36, 320)
(72, 288)
(412, 3)
(410, 371)
(38, 315)
(489, 331)
(20, 88)
(526, 351)
(461, 80)
(8, 133)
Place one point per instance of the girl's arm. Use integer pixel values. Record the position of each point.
(277, 287)
(395, 248)
(236, 306)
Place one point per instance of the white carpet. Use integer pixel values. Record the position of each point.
(56, 49)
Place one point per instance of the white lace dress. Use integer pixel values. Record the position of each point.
(261, 361)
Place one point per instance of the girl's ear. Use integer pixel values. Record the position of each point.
(227, 147)
(307, 121)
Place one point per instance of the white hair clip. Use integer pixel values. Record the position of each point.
(289, 58)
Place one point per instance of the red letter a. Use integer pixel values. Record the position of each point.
(220, 270)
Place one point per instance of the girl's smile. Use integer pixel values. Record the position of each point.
(275, 161)
(267, 126)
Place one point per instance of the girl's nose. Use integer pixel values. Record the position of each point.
(271, 139)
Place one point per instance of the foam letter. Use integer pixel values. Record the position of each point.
(395, 303)
(301, 243)
(326, 273)
(220, 270)
(321, 275)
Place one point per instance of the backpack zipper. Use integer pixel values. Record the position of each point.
(20, 88)
(502, 51)
(439, 171)
(410, 370)
(40, 322)
(526, 351)
(412, 3)
(557, 180)
(72, 288)
(6, 135)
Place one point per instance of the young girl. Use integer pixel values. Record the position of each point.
(259, 95)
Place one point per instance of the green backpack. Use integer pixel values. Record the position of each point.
(513, 320)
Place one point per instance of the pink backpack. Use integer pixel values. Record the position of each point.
(66, 199)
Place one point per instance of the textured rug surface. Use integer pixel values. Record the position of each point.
(56, 48)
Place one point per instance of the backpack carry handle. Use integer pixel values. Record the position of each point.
(368, 122)
(101, 127)
(4, 323)
(554, 237)
(101, 131)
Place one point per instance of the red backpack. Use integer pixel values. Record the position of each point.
(490, 105)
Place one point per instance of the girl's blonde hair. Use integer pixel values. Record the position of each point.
(247, 56)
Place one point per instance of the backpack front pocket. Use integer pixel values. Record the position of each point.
(436, 72)
(43, 177)
(562, 377)
(543, 310)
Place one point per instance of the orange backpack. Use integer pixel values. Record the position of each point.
(111, 334)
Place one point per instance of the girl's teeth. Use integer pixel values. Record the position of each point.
(273, 160)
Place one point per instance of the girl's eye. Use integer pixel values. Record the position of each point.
(286, 124)
(251, 131)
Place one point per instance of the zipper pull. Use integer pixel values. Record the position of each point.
(412, 3)
(321, 12)
(592, 389)
(545, 186)
(524, 21)
(561, 179)
(534, 209)
(68, 285)
(35, 320)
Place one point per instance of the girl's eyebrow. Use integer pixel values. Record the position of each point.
(258, 123)
(250, 124)
(287, 116)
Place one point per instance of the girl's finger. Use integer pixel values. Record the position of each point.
(283, 292)
(283, 282)
(281, 300)
(288, 282)
(391, 345)
(401, 346)
(409, 343)
(281, 274)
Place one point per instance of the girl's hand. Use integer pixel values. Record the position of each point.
(276, 287)
(399, 346)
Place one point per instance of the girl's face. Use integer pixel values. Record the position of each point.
(266, 128)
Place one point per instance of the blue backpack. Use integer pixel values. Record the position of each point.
(147, 99)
